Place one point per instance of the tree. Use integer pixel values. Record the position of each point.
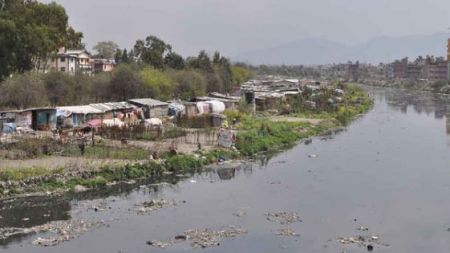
(189, 84)
(118, 56)
(30, 33)
(106, 49)
(125, 83)
(201, 62)
(174, 61)
(157, 84)
(216, 57)
(8, 44)
(125, 58)
(131, 56)
(23, 91)
(74, 38)
(223, 69)
(60, 87)
(99, 90)
(213, 83)
(152, 51)
(241, 74)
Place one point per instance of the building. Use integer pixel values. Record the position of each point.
(33, 118)
(437, 69)
(76, 116)
(399, 68)
(102, 65)
(353, 71)
(151, 108)
(72, 61)
(414, 71)
(448, 59)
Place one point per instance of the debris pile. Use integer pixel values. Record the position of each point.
(366, 241)
(283, 218)
(155, 204)
(286, 232)
(205, 238)
(6, 233)
(201, 238)
(360, 240)
(159, 244)
(239, 214)
(64, 231)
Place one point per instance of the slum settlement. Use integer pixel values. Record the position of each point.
(177, 136)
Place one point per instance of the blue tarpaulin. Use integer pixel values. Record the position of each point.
(9, 128)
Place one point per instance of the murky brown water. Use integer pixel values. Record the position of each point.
(388, 172)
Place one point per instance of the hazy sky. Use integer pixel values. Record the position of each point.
(233, 26)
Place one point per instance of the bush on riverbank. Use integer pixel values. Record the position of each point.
(260, 135)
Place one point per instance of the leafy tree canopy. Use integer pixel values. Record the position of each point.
(30, 32)
(106, 49)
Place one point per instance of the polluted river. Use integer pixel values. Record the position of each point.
(382, 185)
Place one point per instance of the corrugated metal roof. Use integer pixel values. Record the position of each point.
(147, 101)
(111, 106)
(80, 109)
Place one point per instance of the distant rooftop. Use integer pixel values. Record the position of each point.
(147, 101)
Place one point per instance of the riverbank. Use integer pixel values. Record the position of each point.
(255, 135)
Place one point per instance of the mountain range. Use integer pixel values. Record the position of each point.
(315, 51)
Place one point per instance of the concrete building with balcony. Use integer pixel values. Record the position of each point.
(72, 61)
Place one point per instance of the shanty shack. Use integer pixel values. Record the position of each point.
(269, 100)
(75, 116)
(190, 109)
(151, 108)
(6, 117)
(230, 102)
(122, 110)
(42, 119)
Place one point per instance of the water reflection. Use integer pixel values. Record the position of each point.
(34, 211)
(30, 212)
(426, 103)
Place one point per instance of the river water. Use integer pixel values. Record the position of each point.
(388, 172)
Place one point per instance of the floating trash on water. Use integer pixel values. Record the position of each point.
(154, 204)
(367, 241)
(64, 230)
(283, 218)
(239, 214)
(286, 232)
(312, 156)
(201, 238)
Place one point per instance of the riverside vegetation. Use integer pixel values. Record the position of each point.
(255, 135)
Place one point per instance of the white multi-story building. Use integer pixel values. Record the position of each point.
(73, 61)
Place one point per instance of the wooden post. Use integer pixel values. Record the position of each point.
(93, 137)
